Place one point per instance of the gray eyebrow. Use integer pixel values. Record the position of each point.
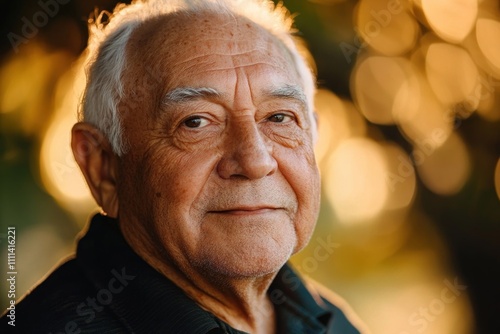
(184, 94)
(290, 92)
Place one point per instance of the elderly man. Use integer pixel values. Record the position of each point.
(197, 142)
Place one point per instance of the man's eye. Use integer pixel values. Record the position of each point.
(280, 118)
(196, 122)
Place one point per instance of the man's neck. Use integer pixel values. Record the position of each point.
(242, 303)
(239, 303)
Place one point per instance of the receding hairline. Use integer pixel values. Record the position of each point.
(187, 17)
(150, 29)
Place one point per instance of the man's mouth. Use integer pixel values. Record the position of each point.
(246, 210)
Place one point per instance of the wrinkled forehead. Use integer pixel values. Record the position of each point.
(175, 32)
(158, 46)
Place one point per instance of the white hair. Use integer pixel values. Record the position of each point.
(107, 54)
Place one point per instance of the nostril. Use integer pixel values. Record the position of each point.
(247, 153)
(247, 161)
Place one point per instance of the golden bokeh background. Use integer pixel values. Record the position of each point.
(409, 151)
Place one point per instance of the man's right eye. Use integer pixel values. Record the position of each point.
(196, 122)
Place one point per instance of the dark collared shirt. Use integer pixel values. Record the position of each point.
(108, 288)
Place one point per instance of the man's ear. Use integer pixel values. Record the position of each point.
(99, 163)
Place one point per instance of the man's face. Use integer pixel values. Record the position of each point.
(220, 174)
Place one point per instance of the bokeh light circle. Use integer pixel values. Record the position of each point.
(488, 35)
(355, 181)
(387, 26)
(445, 169)
(452, 20)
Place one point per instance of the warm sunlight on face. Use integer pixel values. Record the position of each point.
(222, 175)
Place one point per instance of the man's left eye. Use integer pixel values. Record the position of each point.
(280, 118)
(195, 122)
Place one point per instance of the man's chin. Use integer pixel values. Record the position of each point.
(246, 266)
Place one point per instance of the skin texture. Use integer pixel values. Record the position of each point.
(218, 190)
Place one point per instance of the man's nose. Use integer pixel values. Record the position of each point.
(247, 153)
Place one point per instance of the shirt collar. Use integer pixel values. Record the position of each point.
(297, 310)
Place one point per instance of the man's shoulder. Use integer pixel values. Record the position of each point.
(302, 302)
(59, 304)
(65, 280)
(344, 313)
